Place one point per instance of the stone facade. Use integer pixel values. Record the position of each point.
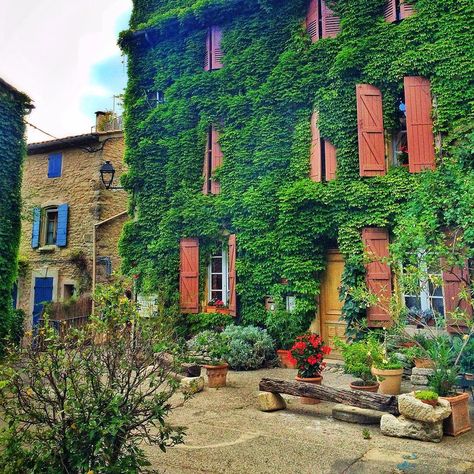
(89, 204)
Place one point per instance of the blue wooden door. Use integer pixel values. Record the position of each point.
(43, 294)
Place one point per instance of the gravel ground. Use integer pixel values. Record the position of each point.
(226, 433)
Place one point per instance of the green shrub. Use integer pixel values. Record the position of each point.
(17, 328)
(357, 359)
(208, 321)
(426, 395)
(250, 347)
(283, 327)
(210, 347)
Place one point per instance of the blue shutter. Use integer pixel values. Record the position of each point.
(35, 234)
(61, 237)
(55, 161)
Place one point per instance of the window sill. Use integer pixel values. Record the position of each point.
(47, 248)
(214, 309)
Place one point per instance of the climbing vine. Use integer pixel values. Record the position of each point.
(261, 101)
(12, 150)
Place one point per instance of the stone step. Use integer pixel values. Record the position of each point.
(362, 416)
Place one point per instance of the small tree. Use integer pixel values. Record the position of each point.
(86, 402)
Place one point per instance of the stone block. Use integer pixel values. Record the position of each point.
(415, 409)
(362, 416)
(421, 372)
(192, 385)
(419, 380)
(402, 427)
(271, 401)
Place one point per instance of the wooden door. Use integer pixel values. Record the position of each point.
(330, 307)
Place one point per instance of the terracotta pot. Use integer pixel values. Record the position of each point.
(211, 309)
(433, 403)
(390, 380)
(217, 375)
(285, 359)
(458, 422)
(308, 400)
(407, 344)
(423, 363)
(365, 388)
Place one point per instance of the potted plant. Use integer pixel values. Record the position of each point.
(283, 327)
(213, 348)
(357, 362)
(388, 372)
(309, 351)
(427, 396)
(418, 356)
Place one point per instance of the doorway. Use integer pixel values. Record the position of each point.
(43, 294)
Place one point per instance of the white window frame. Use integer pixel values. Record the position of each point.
(225, 276)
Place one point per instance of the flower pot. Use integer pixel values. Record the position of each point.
(458, 422)
(211, 309)
(422, 363)
(433, 403)
(390, 380)
(286, 361)
(469, 376)
(223, 310)
(217, 375)
(309, 400)
(364, 388)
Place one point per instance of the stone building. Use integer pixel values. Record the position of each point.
(70, 242)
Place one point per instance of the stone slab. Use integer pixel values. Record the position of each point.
(402, 427)
(268, 401)
(421, 371)
(192, 385)
(411, 407)
(419, 380)
(362, 416)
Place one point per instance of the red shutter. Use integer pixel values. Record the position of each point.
(208, 56)
(406, 9)
(217, 55)
(331, 162)
(189, 276)
(216, 159)
(371, 132)
(312, 20)
(206, 172)
(421, 153)
(390, 11)
(232, 275)
(378, 276)
(315, 157)
(330, 22)
(455, 281)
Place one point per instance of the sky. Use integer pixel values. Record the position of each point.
(64, 55)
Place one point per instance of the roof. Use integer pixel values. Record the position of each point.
(72, 141)
(21, 95)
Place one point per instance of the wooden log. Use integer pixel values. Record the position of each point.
(357, 398)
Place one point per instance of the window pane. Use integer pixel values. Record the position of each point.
(413, 303)
(435, 290)
(216, 282)
(216, 265)
(217, 295)
(438, 305)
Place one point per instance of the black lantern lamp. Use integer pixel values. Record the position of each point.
(107, 173)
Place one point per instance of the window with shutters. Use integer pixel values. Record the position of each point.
(50, 226)
(399, 135)
(218, 276)
(397, 10)
(212, 161)
(55, 165)
(323, 160)
(321, 22)
(214, 55)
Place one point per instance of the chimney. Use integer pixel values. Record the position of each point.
(101, 120)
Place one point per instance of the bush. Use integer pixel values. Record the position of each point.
(210, 347)
(250, 347)
(17, 326)
(284, 328)
(208, 321)
(357, 359)
(88, 400)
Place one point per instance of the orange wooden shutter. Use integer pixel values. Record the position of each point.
(371, 132)
(390, 11)
(206, 172)
(232, 275)
(421, 153)
(406, 9)
(331, 162)
(455, 281)
(189, 276)
(217, 55)
(216, 160)
(315, 156)
(208, 56)
(378, 275)
(330, 22)
(312, 20)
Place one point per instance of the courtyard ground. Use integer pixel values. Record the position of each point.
(226, 433)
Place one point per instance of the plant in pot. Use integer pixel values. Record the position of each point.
(418, 356)
(213, 348)
(357, 362)
(283, 327)
(309, 351)
(427, 396)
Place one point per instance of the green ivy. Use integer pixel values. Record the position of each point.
(262, 101)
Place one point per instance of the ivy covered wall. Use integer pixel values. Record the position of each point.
(12, 150)
(261, 101)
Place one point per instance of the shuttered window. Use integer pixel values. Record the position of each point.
(35, 234)
(323, 160)
(455, 283)
(312, 20)
(396, 10)
(214, 55)
(330, 22)
(55, 165)
(421, 153)
(63, 217)
(321, 22)
(330, 160)
(378, 275)
(232, 275)
(189, 276)
(406, 9)
(370, 130)
(390, 11)
(212, 161)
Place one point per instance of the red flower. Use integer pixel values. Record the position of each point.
(300, 346)
(326, 350)
(312, 360)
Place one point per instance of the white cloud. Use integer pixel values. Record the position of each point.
(48, 49)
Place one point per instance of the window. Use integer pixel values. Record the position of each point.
(397, 10)
(106, 264)
(219, 277)
(214, 54)
(155, 98)
(399, 138)
(323, 161)
(50, 226)
(321, 22)
(290, 303)
(69, 291)
(55, 164)
(212, 161)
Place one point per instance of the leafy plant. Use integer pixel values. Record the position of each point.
(250, 347)
(426, 395)
(309, 351)
(208, 321)
(210, 346)
(466, 351)
(89, 399)
(443, 378)
(283, 327)
(358, 358)
(366, 434)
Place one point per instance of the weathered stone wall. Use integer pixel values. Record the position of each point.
(89, 203)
